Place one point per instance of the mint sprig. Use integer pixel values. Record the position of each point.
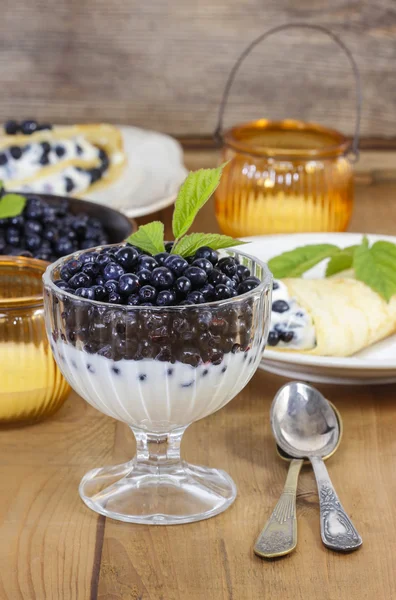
(11, 205)
(373, 265)
(193, 194)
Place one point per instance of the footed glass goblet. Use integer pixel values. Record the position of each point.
(158, 369)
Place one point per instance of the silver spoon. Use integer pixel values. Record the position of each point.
(279, 536)
(305, 426)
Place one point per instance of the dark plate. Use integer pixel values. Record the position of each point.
(117, 225)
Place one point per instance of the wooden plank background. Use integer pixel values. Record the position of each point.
(164, 64)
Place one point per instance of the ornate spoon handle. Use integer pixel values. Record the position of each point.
(279, 535)
(336, 528)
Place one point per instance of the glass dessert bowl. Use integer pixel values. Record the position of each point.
(158, 369)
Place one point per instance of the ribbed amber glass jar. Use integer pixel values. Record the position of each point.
(31, 385)
(284, 177)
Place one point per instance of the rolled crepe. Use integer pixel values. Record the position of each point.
(347, 315)
(106, 137)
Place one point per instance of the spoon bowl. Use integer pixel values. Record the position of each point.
(304, 422)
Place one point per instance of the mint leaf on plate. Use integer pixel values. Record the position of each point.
(149, 238)
(189, 244)
(193, 194)
(341, 261)
(11, 205)
(296, 262)
(376, 267)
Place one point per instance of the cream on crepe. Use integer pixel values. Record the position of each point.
(345, 314)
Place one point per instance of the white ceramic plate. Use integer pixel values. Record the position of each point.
(374, 365)
(151, 179)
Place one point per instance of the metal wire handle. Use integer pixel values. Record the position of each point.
(218, 134)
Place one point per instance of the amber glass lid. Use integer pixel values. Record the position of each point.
(286, 139)
(20, 281)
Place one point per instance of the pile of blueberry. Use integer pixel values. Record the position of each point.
(26, 127)
(125, 275)
(49, 232)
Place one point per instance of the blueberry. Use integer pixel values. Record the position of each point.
(215, 277)
(133, 300)
(247, 285)
(44, 160)
(16, 152)
(280, 306)
(88, 243)
(49, 233)
(63, 246)
(33, 227)
(128, 284)
(147, 293)
(29, 126)
(169, 246)
(33, 242)
(44, 255)
(95, 175)
(73, 266)
(111, 286)
(275, 285)
(114, 298)
(85, 292)
(242, 272)
(46, 146)
(190, 356)
(273, 338)
(65, 273)
(176, 264)
(208, 292)
(222, 292)
(44, 126)
(203, 263)
(204, 320)
(229, 282)
(60, 150)
(33, 211)
(127, 257)
(11, 127)
(227, 265)
(3, 159)
(286, 336)
(161, 257)
(61, 284)
(147, 262)
(103, 260)
(99, 292)
(91, 269)
(69, 184)
(79, 150)
(112, 271)
(19, 221)
(13, 236)
(99, 280)
(144, 276)
(166, 298)
(196, 275)
(208, 253)
(183, 286)
(196, 298)
(162, 278)
(79, 280)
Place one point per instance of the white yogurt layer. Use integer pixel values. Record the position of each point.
(154, 395)
(29, 163)
(294, 322)
(57, 182)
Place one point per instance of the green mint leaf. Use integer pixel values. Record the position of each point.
(376, 267)
(341, 261)
(296, 262)
(11, 205)
(193, 194)
(189, 244)
(149, 238)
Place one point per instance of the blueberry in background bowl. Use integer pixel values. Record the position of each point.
(157, 368)
(53, 226)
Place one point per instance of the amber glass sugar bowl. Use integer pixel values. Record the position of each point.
(32, 386)
(285, 176)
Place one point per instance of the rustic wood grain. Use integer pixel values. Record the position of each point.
(164, 64)
(53, 547)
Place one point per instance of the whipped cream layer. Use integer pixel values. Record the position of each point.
(292, 328)
(151, 394)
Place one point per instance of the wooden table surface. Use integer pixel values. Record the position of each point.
(54, 548)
